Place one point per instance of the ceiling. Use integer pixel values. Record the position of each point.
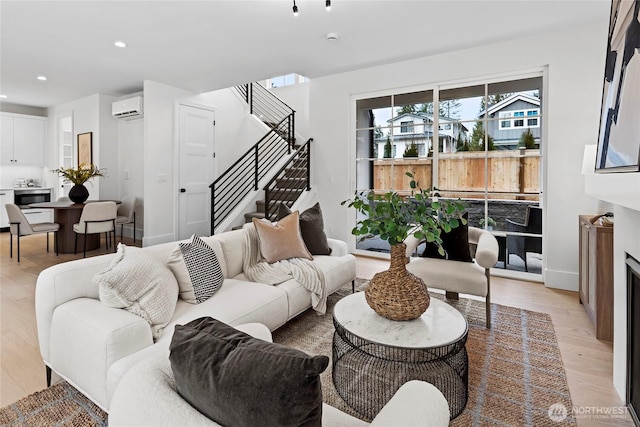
(207, 45)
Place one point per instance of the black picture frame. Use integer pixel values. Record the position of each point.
(619, 134)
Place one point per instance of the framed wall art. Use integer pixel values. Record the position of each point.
(619, 136)
(85, 149)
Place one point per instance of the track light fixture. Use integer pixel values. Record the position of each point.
(327, 4)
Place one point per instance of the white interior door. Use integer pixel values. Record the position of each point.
(196, 170)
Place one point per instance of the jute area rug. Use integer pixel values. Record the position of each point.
(515, 371)
(59, 405)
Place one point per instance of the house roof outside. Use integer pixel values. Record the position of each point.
(510, 100)
(429, 117)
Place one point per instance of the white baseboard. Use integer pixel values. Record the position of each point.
(156, 240)
(128, 231)
(565, 280)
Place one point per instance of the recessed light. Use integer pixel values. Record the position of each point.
(333, 37)
(42, 78)
(120, 44)
(3, 96)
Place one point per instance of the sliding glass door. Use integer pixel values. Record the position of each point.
(480, 143)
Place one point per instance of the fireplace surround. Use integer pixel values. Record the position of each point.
(633, 338)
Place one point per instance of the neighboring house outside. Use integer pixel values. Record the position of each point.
(417, 128)
(515, 115)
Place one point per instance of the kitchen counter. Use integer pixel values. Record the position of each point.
(24, 188)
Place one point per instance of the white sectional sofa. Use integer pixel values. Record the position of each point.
(92, 346)
(416, 403)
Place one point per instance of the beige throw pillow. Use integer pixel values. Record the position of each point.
(140, 284)
(281, 240)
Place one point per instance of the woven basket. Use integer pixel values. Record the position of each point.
(395, 293)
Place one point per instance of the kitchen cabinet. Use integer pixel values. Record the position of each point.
(596, 275)
(22, 139)
(6, 196)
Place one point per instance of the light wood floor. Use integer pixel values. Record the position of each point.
(587, 361)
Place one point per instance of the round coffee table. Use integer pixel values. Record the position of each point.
(373, 356)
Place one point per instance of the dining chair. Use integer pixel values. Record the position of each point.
(521, 245)
(20, 226)
(96, 218)
(127, 215)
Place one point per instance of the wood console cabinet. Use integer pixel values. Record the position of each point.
(596, 275)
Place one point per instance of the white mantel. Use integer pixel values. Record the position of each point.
(623, 190)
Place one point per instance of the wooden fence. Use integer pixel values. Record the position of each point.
(512, 175)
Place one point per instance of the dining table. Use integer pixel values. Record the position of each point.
(67, 214)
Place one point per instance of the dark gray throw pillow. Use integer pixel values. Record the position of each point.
(311, 227)
(237, 380)
(455, 244)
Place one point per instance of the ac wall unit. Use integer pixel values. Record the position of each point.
(127, 108)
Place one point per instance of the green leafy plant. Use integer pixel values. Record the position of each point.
(489, 221)
(527, 140)
(393, 218)
(411, 150)
(387, 149)
(81, 174)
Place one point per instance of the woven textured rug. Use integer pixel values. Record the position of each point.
(59, 405)
(515, 369)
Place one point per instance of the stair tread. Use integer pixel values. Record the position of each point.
(250, 215)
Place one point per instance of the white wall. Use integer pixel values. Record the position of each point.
(86, 118)
(297, 97)
(623, 191)
(160, 182)
(575, 61)
(131, 168)
(236, 130)
(107, 148)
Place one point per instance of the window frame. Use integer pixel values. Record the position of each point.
(437, 89)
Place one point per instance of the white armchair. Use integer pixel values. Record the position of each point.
(416, 403)
(457, 277)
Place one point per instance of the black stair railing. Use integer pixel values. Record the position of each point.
(289, 182)
(268, 107)
(243, 176)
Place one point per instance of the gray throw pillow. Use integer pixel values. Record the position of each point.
(311, 227)
(238, 380)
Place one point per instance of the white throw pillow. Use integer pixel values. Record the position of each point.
(141, 285)
(196, 267)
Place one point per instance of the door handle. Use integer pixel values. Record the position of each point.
(183, 190)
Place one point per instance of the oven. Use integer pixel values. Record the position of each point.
(23, 197)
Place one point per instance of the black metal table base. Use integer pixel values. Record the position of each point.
(367, 375)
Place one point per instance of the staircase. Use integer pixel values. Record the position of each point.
(286, 185)
(259, 162)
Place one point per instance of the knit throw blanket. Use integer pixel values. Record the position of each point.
(304, 271)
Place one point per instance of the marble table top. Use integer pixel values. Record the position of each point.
(440, 325)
